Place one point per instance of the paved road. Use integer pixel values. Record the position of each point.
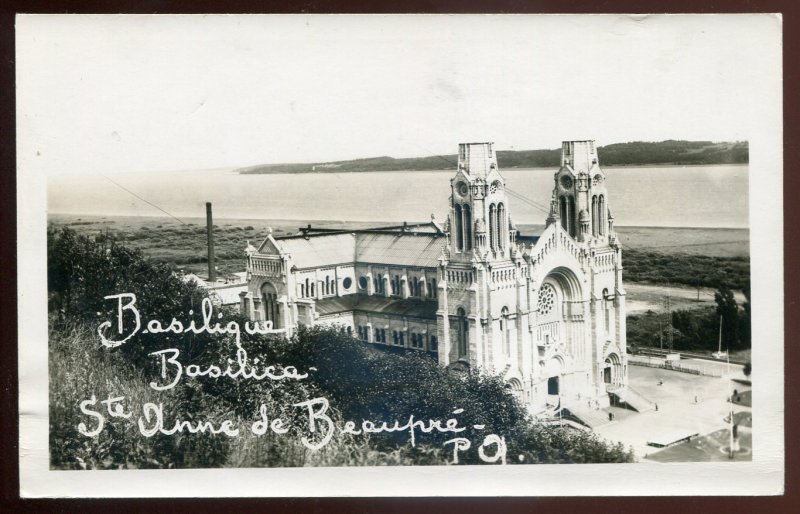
(643, 297)
(718, 367)
(676, 408)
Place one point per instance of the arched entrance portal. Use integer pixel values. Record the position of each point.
(552, 385)
(561, 313)
(554, 370)
(270, 305)
(612, 370)
(515, 387)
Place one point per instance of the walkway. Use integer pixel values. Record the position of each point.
(677, 410)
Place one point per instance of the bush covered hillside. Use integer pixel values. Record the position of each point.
(620, 154)
(359, 383)
(680, 268)
(673, 152)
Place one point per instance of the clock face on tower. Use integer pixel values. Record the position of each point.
(462, 188)
(566, 182)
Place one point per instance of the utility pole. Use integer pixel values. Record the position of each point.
(668, 307)
(730, 400)
(212, 270)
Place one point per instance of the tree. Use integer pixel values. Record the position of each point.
(745, 331)
(727, 308)
(361, 383)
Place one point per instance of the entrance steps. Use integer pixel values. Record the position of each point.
(563, 422)
(631, 398)
(589, 416)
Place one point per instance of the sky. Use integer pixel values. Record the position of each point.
(110, 94)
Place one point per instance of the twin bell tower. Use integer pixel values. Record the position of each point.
(481, 225)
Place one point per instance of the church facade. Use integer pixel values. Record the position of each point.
(547, 312)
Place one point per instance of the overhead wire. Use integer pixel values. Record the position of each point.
(143, 199)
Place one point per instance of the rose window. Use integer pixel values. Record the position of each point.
(547, 299)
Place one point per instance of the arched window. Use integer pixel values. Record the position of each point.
(269, 299)
(459, 229)
(502, 226)
(492, 227)
(595, 216)
(562, 208)
(603, 214)
(463, 332)
(467, 228)
(571, 215)
(607, 311)
(505, 331)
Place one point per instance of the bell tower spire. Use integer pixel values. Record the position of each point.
(481, 226)
(580, 193)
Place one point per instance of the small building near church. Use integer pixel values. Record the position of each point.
(547, 312)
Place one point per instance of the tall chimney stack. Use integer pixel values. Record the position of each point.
(212, 271)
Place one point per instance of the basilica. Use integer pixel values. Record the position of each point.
(546, 312)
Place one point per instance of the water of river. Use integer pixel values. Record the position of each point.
(677, 196)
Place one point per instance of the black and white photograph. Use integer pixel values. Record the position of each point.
(379, 254)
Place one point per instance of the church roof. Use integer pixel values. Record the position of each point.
(396, 246)
(421, 250)
(228, 294)
(320, 250)
(411, 307)
(398, 306)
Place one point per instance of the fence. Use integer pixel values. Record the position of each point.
(660, 362)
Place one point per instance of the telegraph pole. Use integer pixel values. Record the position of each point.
(212, 270)
(668, 307)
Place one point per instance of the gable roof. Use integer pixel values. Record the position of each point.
(420, 250)
(376, 304)
(415, 245)
(319, 250)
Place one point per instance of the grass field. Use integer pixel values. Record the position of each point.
(714, 242)
(183, 245)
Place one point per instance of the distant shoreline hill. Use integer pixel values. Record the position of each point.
(621, 154)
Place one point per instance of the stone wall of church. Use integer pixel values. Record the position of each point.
(496, 312)
(402, 332)
(403, 282)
